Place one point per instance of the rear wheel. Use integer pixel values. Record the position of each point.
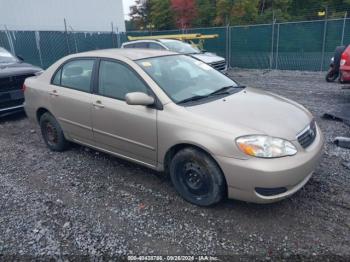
(331, 75)
(197, 177)
(52, 133)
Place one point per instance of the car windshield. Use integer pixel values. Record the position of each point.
(183, 77)
(6, 56)
(180, 47)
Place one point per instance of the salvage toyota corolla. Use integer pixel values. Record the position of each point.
(173, 113)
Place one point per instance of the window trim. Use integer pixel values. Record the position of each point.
(72, 60)
(157, 104)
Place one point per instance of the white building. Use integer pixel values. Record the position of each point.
(80, 15)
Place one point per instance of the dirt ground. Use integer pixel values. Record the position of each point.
(85, 203)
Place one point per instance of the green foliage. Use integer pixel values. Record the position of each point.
(205, 13)
(159, 14)
(223, 12)
(140, 12)
(244, 12)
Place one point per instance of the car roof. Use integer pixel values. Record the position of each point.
(132, 53)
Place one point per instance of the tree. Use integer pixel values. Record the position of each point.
(206, 13)
(129, 25)
(166, 14)
(185, 12)
(140, 12)
(223, 12)
(161, 15)
(244, 11)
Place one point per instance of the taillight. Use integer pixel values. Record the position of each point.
(24, 87)
(344, 58)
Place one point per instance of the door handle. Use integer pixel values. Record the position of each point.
(99, 104)
(53, 93)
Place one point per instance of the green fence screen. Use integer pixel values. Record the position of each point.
(286, 46)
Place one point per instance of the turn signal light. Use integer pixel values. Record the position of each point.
(344, 58)
(24, 87)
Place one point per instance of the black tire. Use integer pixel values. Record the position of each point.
(52, 133)
(331, 75)
(197, 177)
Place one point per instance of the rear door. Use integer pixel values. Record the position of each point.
(70, 98)
(126, 130)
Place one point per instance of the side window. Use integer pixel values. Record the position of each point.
(155, 46)
(77, 74)
(129, 46)
(57, 79)
(116, 80)
(141, 45)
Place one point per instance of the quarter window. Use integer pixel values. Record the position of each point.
(76, 75)
(116, 80)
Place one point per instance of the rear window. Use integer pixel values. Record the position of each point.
(137, 45)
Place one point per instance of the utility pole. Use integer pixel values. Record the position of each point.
(324, 37)
(228, 42)
(272, 38)
(112, 34)
(66, 33)
(344, 24)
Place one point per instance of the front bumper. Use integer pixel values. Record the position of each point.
(291, 173)
(11, 102)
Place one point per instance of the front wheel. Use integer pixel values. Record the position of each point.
(197, 177)
(52, 133)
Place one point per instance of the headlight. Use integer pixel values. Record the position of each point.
(265, 146)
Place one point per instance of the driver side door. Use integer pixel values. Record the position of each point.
(129, 131)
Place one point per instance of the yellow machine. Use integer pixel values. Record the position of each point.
(182, 37)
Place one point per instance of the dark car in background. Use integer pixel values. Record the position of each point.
(13, 72)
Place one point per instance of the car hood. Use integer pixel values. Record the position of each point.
(208, 58)
(253, 109)
(14, 69)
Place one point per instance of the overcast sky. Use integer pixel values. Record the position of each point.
(126, 5)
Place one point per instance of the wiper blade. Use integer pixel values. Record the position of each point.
(225, 90)
(221, 91)
(192, 98)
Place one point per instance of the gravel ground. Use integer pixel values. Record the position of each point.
(85, 203)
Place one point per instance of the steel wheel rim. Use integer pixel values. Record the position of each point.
(195, 179)
(51, 134)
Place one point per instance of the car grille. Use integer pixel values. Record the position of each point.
(308, 136)
(12, 82)
(220, 66)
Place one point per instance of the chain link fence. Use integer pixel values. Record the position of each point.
(305, 45)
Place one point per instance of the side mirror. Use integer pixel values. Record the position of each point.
(139, 98)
